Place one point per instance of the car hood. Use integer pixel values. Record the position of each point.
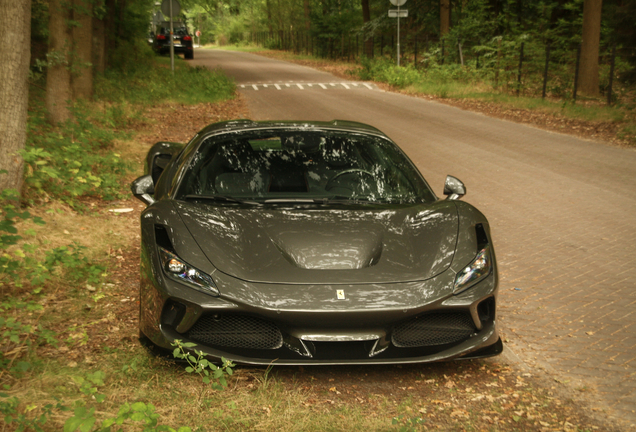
(330, 245)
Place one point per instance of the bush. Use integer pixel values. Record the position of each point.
(384, 70)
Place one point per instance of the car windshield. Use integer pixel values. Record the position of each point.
(279, 166)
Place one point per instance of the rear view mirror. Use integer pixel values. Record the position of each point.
(143, 188)
(454, 188)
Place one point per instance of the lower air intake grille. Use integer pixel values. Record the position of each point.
(236, 331)
(433, 329)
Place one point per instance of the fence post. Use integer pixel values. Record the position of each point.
(611, 75)
(498, 62)
(519, 72)
(415, 51)
(576, 72)
(545, 69)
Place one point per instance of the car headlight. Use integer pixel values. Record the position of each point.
(474, 272)
(180, 271)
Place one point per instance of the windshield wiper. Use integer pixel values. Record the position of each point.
(221, 198)
(344, 200)
(289, 200)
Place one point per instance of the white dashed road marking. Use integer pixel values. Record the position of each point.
(324, 86)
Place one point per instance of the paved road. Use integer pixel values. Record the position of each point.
(563, 212)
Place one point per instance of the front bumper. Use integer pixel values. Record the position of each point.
(300, 324)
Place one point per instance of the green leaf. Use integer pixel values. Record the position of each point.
(72, 424)
(138, 406)
(87, 424)
(138, 416)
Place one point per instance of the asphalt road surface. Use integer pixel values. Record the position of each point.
(562, 210)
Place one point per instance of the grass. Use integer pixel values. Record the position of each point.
(156, 83)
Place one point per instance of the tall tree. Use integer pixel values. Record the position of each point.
(444, 17)
(15, 52)
(82, 79)
(588, 70)
(307, 15)
(58, 77)
(366, 17)
(99, 46)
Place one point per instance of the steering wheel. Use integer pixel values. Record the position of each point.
(345, 172)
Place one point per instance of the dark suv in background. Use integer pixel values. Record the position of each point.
(181, 37)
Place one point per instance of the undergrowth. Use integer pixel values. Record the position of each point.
(76, 164)
(157, 83)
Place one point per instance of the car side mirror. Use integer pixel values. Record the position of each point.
(454, 188)
(143, 188)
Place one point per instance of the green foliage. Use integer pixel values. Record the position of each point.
(22, 421)
(197, 363)
(385, 70)
(74, 265)
(71, 161)
(407, 424)
(14, 262)
(157, 84)
(20, 260)
(16, 335)
(136, 416)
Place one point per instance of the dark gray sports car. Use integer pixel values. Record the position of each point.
(310, 243)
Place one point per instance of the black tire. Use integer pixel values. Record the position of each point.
(188, 55)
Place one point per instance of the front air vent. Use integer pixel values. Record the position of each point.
(433, 329)
(162, 239)
(482, 238)
(236, 331)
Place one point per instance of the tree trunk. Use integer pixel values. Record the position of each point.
(588, 71)
(82, 79)
(110, 41)
(58, 76)
(366, 17)
(15, 52)
(444, 17)
(270, 28)
(307, 15)
(99, 46)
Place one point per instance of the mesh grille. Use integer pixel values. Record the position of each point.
(433, 329)
(236, 331)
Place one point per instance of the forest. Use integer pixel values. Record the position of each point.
(66, 45)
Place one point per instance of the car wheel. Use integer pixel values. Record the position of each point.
(188, 55)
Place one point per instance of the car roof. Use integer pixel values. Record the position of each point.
(304, 126)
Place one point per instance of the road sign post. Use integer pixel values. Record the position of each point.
(171, 8)
(397, 13)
